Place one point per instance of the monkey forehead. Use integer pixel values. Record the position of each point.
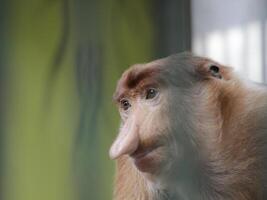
(182, 69)
(136, 78)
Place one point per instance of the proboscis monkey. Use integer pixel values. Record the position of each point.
(191, 129)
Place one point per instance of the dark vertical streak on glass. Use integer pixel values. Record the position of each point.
(3, 36)
(65, 33)
(174, 26)
(89, 56)
(60, 52)
(89, 84)
(88, 67)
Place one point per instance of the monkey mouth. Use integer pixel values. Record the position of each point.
(142, 152)
(146, 159)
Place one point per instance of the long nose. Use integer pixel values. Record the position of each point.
(127, 141)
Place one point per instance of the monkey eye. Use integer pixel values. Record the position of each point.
(151, 93)
(125, 104)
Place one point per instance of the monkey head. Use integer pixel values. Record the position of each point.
(159, 104)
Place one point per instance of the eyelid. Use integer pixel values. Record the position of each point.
(120, 100)
(150, 85)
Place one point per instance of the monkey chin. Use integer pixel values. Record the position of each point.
(148, 161)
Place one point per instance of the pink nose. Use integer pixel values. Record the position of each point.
(126, 142)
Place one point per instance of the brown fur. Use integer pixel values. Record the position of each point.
(134, 81)
(236, 154)
(229, 127)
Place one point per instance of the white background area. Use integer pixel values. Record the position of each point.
(234, 33)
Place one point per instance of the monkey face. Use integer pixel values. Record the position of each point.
(144, 129)
(155, 101)
(148, 114)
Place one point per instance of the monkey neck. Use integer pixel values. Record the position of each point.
(234, 160)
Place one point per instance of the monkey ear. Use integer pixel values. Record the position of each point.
(208, 71)
(215, 71)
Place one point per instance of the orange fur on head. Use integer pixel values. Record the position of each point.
(190, 129)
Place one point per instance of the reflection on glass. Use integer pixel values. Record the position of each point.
(239, 47)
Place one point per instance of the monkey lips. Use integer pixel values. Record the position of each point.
(147, 159)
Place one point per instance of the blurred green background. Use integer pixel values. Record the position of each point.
(60, 61)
